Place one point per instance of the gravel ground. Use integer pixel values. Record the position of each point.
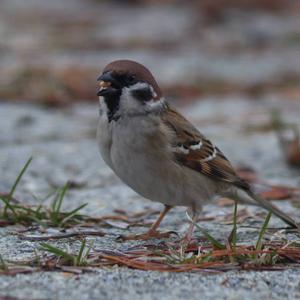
(62, 142)
(119, 283)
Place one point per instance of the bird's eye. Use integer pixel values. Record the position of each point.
(131, 79)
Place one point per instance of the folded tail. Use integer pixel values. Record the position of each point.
(249, 197)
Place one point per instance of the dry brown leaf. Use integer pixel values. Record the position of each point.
(225, 202)
(277, 193)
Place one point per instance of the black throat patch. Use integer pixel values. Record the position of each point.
(112, 102)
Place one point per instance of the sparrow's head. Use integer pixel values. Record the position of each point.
(127, 85)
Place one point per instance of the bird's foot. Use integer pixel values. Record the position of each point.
(151, 234)
(186, 241)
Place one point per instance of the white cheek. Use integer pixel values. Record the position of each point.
(140, 85)
(128, 104)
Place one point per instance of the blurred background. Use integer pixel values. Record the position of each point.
(232, 67)
(52, 51)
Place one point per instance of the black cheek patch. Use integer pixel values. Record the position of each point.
(112, 102)
(142, 95)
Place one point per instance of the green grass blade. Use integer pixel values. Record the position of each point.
(8, 206)
(54, 202)
(62, 196)
(212, 240)
(58, 252)
(262, 231)
(61, 192)
(39, 213)
(89, 248)
(234, 229)
(19, 177)
(37, 258)
(3, 265)
(79, 256)
(57, 203)
(72, 213)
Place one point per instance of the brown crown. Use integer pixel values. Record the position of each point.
(133, 68)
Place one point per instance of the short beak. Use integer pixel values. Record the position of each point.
(107, 76)
(105, 84)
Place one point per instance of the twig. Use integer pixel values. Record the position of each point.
(60, 236)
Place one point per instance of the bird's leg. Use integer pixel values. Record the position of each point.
(155, 225)
(193, 219)
(152, 232)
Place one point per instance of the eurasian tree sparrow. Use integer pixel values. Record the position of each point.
(157, 152)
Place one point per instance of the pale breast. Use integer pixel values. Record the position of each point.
(104, 138)
(137, 155)
(141, 158)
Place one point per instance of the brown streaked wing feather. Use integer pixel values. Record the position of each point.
(187, 135)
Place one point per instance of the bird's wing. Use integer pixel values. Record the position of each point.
(195, 151)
